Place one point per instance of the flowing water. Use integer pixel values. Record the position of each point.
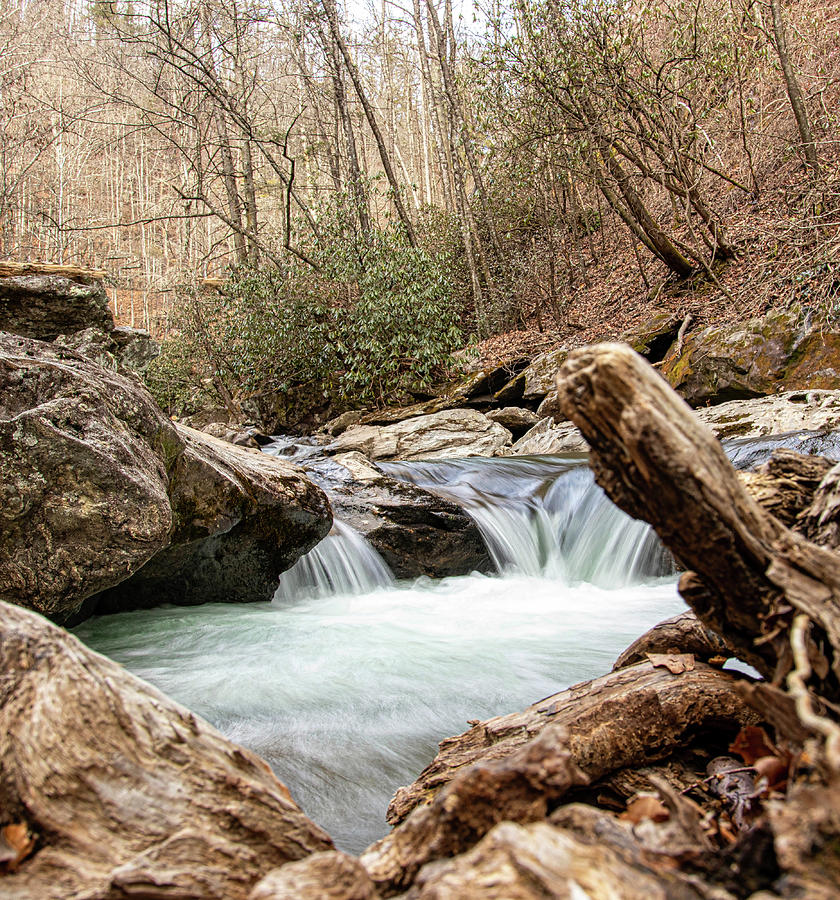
(347, 681)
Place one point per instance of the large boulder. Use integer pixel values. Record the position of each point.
(95, 480)
(801, 410)
(782, 350)
(449, 434)
(240, 518)
(516, 419)
(113, 790)
(45, 306)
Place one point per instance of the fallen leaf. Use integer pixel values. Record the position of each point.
(646, 807)
(16, 843)
(675, 663)
(774, 769)
(752, 743)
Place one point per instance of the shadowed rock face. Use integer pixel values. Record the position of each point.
(414, 531)
(240, 518)
(95, 481)
(45, 306)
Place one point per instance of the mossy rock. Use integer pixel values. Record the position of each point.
(781, 351)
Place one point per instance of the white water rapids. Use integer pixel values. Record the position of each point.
(346, 683)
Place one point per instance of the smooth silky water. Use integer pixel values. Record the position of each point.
(347, 681)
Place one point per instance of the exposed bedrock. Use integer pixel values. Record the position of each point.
(452, 433)
(95, 481)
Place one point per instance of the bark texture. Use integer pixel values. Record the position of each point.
(126, 793)
(684, 633)
(329, 875)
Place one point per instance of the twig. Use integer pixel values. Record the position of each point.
(799, 691)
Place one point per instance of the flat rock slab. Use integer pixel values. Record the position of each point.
(791, 411)
(450, 434)
(45, 306)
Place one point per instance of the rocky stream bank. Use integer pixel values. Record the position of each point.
(667, 777)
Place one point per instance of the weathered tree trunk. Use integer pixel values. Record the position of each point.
(794, 91)
(656, 461)
(510, 767)
(332, 19)
(125, 793)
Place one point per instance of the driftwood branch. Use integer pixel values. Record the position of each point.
(751, 573)
(509, 767)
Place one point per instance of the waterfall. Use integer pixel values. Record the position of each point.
(342, 563)
(545, 517)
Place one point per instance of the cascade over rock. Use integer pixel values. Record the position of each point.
(96, 481)
(452, 433)
(122, 792)
(414, 531)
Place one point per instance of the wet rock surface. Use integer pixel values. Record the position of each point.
(415, 531)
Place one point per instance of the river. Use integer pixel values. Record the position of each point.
(347, 680)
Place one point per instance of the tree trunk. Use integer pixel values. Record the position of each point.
(332, 19)
(752, 574)
(794, 91)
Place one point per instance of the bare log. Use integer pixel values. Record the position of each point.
(125, 793)
(330, 875)
(518, 787)
(631, 717)
(657, 462)
(537, 861)
(786, 485)
(821, 521)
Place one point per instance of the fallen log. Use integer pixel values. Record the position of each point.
(9, 268)
(520, 766)
(630, 717)
(330, 875)
(786, 485)
(538, 861)
(119, 792)
(658, 463)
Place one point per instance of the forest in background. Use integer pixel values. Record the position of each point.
(314, 197)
